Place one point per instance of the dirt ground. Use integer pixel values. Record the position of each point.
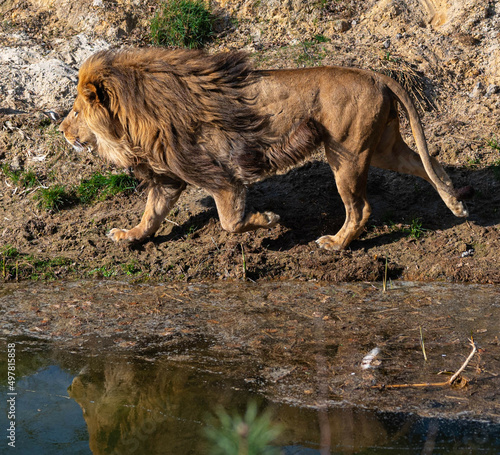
(450, 51)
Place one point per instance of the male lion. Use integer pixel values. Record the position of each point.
(179, 117)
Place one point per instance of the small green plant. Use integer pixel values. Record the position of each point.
(415, 229)
(7, 254)
(131, 268)
(54, 198)
(13, 176)
(494, 144)
(15, 265)
(474, 162)
(104, 272)
(29, 179)
(26, 179)
(46, 269)
(192, 229)
(320, 39)
(183, 23)
(311, 54)
(250, 435)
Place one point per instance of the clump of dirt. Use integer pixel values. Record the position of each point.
(450, 48)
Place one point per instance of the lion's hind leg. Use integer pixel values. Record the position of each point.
(351, 177)
(231, 208)
(161, 199)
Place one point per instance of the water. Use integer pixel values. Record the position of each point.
(116, 368)
(69, 403)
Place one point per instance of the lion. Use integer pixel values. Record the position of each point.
(180, 117)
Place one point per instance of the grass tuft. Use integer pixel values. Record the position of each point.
(26, 179)
(182, 23)
(54, 198)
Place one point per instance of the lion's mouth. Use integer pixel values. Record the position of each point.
(80, 146)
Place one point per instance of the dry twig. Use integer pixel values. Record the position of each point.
(453, 379)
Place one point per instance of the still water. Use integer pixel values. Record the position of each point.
(129, 403)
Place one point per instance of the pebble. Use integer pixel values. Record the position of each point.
(477, 91)
(469, 252)
(491, 90)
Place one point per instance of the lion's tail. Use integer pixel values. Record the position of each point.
(446, 192)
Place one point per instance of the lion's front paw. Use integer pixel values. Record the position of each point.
(118, 234)
(124, 234)
(272, 219)
(328, 242)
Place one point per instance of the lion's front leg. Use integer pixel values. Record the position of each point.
(231, 208)
(161, 199)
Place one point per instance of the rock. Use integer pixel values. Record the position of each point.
(341, 26)
(387, 44)
(16, 163)
(491, 90)
(477, 91)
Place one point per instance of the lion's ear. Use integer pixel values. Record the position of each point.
(93, 93)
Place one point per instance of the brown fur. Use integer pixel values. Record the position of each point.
(185, 117)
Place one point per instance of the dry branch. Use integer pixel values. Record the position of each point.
(453, 379)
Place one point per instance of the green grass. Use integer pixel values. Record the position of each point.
(473, 162)
(96, 188)
(415, 229)
(131, 268)
(14, 265)
(29, 179)
(54, 198)
(100, 187)
(26, 179)
(312, 54)
(103, 272)
(182, 23)
(494, 144)
(320, 39)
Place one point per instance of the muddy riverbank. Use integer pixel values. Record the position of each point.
(302, 343)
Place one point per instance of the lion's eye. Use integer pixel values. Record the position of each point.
(76, 113)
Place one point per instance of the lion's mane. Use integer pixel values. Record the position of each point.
(185, 114)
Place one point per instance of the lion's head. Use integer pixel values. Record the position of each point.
(182, 113)
(75, 129)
